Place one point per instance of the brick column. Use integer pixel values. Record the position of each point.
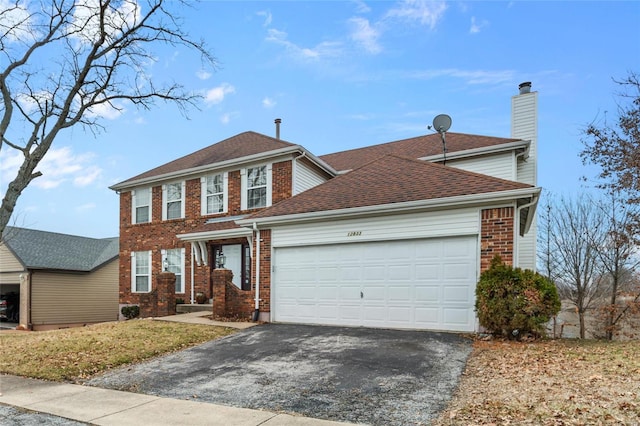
(220, 277)
(497, 234)
(166, 290)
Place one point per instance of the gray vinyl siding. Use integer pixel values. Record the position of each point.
(63, 298)
(501, 165)
(305, 177)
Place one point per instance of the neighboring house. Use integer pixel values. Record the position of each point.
(381, 236)
(61, 280)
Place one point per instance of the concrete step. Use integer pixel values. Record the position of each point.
(186, 308)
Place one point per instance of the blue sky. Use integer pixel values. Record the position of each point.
(346, 74)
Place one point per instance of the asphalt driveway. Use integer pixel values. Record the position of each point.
(373, 376)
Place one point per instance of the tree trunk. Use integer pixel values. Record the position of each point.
(581, 319)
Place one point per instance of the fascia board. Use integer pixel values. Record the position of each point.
(213, 235)
(220, 165)
(410, 206)
(493, 149)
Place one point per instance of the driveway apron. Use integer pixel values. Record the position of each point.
(372, 376)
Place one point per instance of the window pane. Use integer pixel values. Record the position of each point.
(214, 203)
(142, 263)
(174, 192)
(142, 197)
(257, 198)
(142, 283)
(179, 284)
(142, 214)
(257, 176)
(214, 184)
(174, 210)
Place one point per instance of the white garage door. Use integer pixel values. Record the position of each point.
(416, 284)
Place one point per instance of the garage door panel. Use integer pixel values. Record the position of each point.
(426, 284)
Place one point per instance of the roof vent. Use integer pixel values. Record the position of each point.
(525, 87)
(278, 121)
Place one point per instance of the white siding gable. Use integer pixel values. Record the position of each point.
(501, 165)
(305, 177)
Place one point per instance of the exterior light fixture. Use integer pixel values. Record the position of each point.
(165, 265)
(221, 259)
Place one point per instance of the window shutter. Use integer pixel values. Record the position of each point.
(184, 197)
(269, 185)
(225, 192)
(133, 206)
(133, 271)
(164, 202)
(243, 189)
(203, 196)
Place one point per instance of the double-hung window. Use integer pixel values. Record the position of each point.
(214, 193)
(175, 263)
(141, 272)
(173, 200)
(141, 202)
(256, 187)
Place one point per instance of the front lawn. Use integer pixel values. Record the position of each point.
(74, 354)
(558, 382)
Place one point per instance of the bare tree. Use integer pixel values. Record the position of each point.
(615, 147)
(66, 60)
(571, 232)
(619, 255)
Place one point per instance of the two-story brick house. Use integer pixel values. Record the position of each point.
(382, 236)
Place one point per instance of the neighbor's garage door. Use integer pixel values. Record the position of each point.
(421, 284)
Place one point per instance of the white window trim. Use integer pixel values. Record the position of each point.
(134, 287)
(225, 194)
(182, 265)
(164, 200)
(244, 185)
(133, 206)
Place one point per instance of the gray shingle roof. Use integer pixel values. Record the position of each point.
(50, 250)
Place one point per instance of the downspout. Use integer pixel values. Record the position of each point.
(530, 217)
(192, 268)
(256, 311)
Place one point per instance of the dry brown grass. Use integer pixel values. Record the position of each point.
(559, 382)
(77, 353)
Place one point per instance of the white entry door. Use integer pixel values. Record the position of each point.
(233, 255)
(414, 284)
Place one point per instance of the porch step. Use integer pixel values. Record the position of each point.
(186, 308)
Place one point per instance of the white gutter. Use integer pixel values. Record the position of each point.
(439, 203)
(224, 164)
(213, 235)
(193, 249)
(531, 215)
(479, 151)
(257, 303)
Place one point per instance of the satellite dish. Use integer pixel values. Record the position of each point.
(442, 123)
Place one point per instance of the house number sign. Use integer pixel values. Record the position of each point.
(354, 233)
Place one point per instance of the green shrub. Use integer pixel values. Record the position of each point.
(513, 302)
(130, 312)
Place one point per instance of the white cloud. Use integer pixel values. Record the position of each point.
(422, 11)
(361, 6)
(86, 24)
(268, 18)
(59, 165)
(365, 35)
(471, 77)
(217, 94)
(107, 110)
(203, 74)
(17, 22)
(268, 102)
(227, 117)
(320, 51)
(476, 26)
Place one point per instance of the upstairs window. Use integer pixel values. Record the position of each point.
(256, 187)
(173, 200)
(141, 205)
(214, 194)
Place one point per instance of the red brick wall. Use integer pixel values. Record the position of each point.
(496, 235)
(159, 234)
(265, 270)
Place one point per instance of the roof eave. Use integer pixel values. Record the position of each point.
(492, 149)
(213, 235)
(223, 164)
(405, 207)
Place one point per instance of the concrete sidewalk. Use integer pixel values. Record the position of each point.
(110, 407)
(202, 318)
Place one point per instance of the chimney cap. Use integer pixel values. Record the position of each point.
(525, 87)
(277, 120)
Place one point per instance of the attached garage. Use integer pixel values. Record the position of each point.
(424, 283)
